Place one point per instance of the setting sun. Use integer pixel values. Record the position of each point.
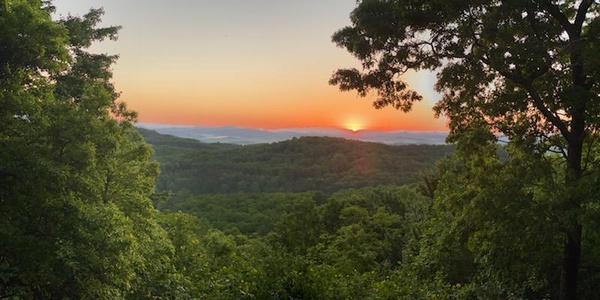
(354, 126)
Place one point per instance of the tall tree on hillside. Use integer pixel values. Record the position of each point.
(75, 218)
(527, 69)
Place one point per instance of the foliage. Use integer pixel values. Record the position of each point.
(75, 217)
(526, 69)
(346, 246)
(77, 179)
(247, 213)
(298, 165)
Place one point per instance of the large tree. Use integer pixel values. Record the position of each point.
(527, 69)
(76, 221)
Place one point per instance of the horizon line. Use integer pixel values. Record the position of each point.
(170, 125)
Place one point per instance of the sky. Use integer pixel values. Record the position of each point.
(246, 63)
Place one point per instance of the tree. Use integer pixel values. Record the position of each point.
(76, 220)
(526, 69)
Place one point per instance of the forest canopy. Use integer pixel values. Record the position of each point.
(82, 215)
(297, 165)
(525, 69)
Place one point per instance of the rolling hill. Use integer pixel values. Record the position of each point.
(297, 165)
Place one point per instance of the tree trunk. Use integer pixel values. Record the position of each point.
(572, 245)
(570, 265)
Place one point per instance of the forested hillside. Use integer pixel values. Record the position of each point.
(297, 165)
(82, 215)
(76, 219)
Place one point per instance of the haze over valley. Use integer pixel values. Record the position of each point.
(247, 136)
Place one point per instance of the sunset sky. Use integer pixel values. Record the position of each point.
(260, 63)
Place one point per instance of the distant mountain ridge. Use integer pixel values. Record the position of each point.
(301, 164)
(249, 136)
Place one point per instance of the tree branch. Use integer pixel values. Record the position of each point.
(558, 15)
(539, 104)
(581, 13)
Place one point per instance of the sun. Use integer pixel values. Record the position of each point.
(354, 126)
(354, 123)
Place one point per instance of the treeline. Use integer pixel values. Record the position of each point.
(298, 165)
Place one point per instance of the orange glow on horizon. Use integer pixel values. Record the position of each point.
(320, 108)
(389, 120)
(303, 100)
(370, 119)
(190, 70)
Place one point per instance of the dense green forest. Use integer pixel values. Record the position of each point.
(298, 165)
(79, 199)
